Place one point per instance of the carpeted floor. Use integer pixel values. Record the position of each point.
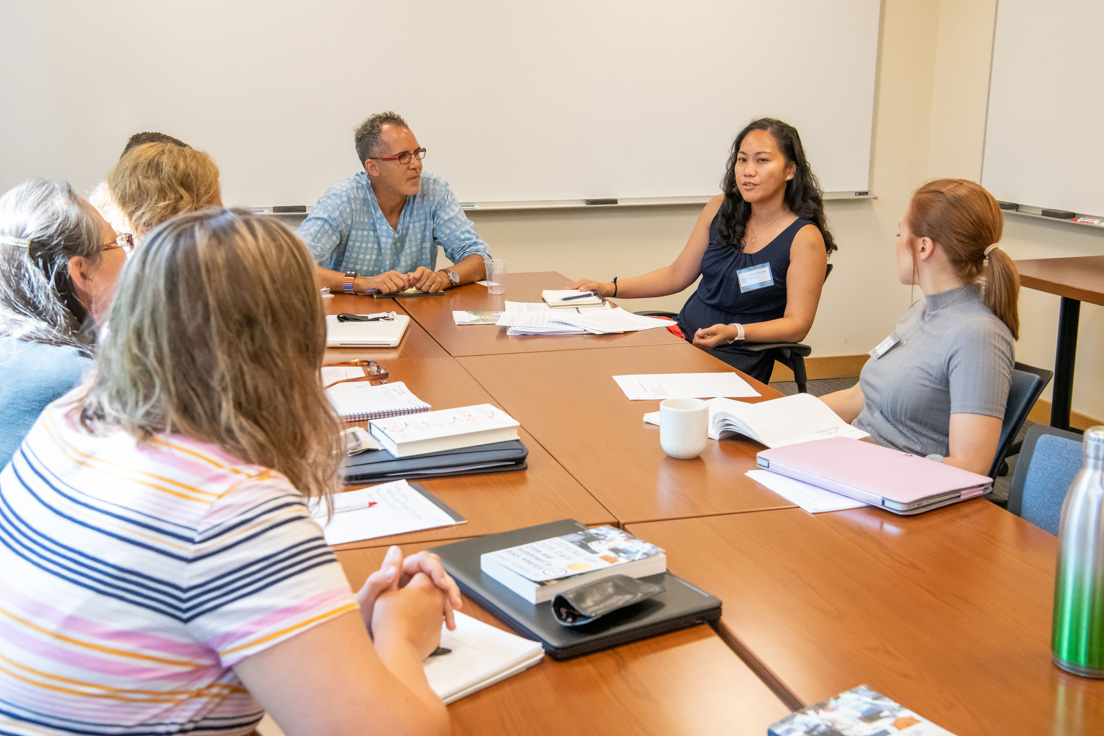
(828, 385)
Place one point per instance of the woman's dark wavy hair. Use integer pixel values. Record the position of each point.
(802, 196)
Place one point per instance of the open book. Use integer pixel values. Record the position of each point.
(480, 655)
(775, 423)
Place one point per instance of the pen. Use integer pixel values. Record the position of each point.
(439, 651)
(582, 295)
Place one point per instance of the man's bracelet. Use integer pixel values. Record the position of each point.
(614, 287)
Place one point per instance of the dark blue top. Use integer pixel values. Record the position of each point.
(718, 299)
(32, 374)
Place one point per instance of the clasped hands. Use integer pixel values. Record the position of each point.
(413, 595)
(391, 282)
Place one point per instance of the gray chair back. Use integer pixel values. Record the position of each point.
(1048, 462)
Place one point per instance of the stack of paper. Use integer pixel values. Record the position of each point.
(775, 423)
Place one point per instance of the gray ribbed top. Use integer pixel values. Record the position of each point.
(953, 356)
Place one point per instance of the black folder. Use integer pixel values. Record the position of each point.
(680, 606)
(381, 465)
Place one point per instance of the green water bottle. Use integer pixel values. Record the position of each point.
(1077, 642)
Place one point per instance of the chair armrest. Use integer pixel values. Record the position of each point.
(669, 315)
(796, 348)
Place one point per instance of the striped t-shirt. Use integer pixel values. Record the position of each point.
(133, 577)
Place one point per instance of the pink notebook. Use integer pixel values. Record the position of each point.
(894, 480)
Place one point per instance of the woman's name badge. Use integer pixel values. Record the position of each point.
(755, 277)
(884, 346)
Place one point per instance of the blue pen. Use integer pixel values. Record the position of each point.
(582, 295)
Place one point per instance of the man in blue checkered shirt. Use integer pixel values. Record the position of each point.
(380, 228)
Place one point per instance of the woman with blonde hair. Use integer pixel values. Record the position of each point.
(162, 569)
(938, 384)
(58, 264)
(155, 181)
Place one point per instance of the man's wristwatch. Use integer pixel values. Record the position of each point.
(453, 277)
(347, 282)
(739, 333)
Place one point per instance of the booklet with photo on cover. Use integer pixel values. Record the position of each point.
(857, 712)
(539, 571)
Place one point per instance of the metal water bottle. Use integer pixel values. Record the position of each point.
(1077, 642)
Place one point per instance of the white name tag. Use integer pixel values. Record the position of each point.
(884, 346)
(755, 277)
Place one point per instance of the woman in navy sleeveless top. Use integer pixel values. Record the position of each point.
(761, 249)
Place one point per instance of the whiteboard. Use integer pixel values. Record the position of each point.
(1046, 110)
(515, 101)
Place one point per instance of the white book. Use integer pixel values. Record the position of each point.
(539, 571)
(480, 655)
(570, 298)
(775, 423)
(446, 429)
(359, 400)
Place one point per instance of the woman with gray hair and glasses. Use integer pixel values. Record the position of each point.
(58, 263)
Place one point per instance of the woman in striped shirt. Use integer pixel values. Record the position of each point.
(162, 572)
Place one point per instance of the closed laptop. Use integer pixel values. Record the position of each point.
(881, 476)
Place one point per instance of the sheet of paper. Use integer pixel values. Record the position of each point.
(807, 496)
(537, 323)
(379, 511)
(615, 320)
(684, 386)
(527, 307)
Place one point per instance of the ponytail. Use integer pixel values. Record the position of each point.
(967, 223)
(1002, 290)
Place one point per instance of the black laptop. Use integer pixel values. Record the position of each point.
(680, 606)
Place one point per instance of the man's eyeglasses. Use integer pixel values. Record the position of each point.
(404, 157)
(122, 240)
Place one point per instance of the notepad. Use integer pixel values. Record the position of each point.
(570, 298)
(480, 655)
(360, 401)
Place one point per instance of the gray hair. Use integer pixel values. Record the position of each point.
(367, 134)
(37, 299)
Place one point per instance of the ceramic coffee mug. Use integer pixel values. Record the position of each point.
(683, 427)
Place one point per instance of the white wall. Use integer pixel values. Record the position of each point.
(933, 77)
(862, 299)
(958, 113)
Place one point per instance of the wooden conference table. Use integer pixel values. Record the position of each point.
(947, 612)
(1075, 280)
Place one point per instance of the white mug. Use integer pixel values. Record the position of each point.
(683, 427)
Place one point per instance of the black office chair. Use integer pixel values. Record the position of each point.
(1028, 383)
(790, 354)
(1049, 460)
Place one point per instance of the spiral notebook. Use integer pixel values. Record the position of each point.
(360, 401)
